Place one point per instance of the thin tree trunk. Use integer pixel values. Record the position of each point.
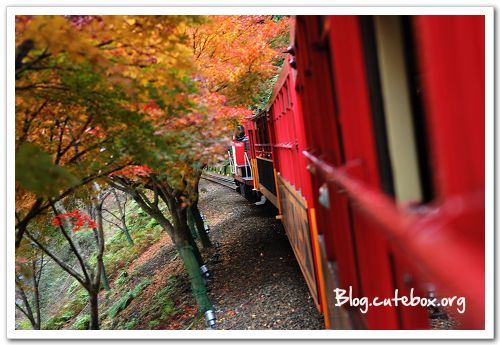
(94, 307)
(27, 311)
(123, 218)
(95, 284)
(104, 278)
(127, 233)
(37, 308)
(200, 226)
(191, 223)
(196, 250)
(37, 296)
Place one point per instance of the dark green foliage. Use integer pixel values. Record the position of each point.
(36, 172)
(125, 300)
(132, 324)
(122, 278)
(153, 324)
(82, 323)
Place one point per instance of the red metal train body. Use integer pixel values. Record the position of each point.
(372, 150)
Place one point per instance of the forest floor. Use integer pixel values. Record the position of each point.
(256, 282)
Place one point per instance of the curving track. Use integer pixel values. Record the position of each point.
(225, 181)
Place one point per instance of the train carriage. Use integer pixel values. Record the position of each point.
(372, 150)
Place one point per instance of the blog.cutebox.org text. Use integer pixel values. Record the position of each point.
(343, 296)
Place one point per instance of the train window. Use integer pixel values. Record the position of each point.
(397, 108)
(239, 133)
(417, 99)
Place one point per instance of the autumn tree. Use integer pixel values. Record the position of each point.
(79, 81)
(119, 220)
(88, 274)
(237, 54)
(29, 270)
(140, 102)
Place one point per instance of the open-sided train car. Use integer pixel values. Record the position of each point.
(372, 149)
(241, 155)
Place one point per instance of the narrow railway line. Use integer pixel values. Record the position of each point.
(219, 179)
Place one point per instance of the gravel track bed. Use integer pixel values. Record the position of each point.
(257, 283)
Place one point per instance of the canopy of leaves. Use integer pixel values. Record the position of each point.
(97, 94)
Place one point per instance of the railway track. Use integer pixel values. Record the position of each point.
(219, 179)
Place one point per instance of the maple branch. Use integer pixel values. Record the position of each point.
(22, 310)
(28, 311)
(41, 86)
(21, 52)
(42, 266)
(111, 222)
(74, 138)
(112, 214)
(71, 244)
(27, 124)
(105, 43)
(87, 150)
(59, 143)
(26, 46)
(22, 224)
(61, 264)
(37, 207)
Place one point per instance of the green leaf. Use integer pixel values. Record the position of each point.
(36, 172)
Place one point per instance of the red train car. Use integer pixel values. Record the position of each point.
(242, 159)
(372, 149)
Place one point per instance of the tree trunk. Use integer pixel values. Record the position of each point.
(195, 278)
(123, 218)
(181, 230)
(127, 233)
(27, 311)
(104, 278)
(200, 225)
(38, 323)
(94, 307)
(95, 284)
(196, 250)
(205, 240)
(180, 234)
(191, 223)
(182, 240)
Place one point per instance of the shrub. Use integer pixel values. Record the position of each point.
(132, 324)
(125, 300)
(162, 305)
(69, 310)
(153, 324)
(82, 323)
(122, 278)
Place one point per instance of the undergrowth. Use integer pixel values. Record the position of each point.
(117, 257)
(127, 298)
